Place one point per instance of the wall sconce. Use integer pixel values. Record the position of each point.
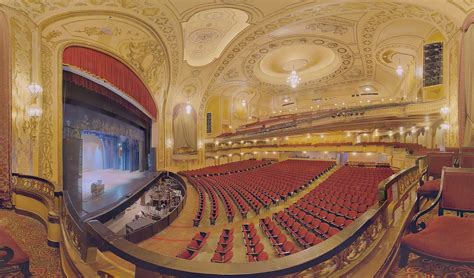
(35, 90)
(188, 108)
(444, 110)
(169, 143)
(200, 145)
(33, 110)
(445, 126)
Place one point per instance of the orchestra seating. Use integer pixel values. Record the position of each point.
(223, 252)
(436, 161)
(228, 168)
(446, 238)
(197, 242)
(279, 241)
(332, 205)
(12, 257)
(258, 188)
(253, 246)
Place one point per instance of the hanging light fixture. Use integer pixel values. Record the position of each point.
(293, 78)
(188, 108)
(399, 69)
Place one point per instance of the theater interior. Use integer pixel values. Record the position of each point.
(236, 138)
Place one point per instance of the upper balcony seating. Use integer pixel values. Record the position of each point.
(447, 238)
(12, 257)
(436, 161)
(332, 205)
(233, 167)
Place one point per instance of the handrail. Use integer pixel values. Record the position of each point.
(50, 192)
(300, 261)
(328, 256)
(386, 184)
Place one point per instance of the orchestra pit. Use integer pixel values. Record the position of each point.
(236, 138)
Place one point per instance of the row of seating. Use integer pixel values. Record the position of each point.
(253, 246)
(228, 168)
(332, 205)
(276, 182)
(197, 242)
(223, 252)
(278, 240)
(259, 188)
(211, 191)
(202, 203)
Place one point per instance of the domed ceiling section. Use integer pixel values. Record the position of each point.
(317, 61)
(208, 32)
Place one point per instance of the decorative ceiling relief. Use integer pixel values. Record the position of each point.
(317, 60)
(125, 39)
(207, 33)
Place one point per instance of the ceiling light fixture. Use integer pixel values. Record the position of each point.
(399, 69)
(293, 79)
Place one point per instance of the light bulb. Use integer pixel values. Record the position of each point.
(188, 108)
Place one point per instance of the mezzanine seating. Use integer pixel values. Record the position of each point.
(253, 246)
(223, 252)
(447, 238)
(197, 242)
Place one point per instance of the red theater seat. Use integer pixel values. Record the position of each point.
(436, 161)
(447, 238)
(187, 254)
(12, 255)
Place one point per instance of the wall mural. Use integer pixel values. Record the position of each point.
(184, 129)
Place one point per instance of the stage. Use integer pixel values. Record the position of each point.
(118, 187)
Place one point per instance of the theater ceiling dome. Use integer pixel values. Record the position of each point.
(312, 62)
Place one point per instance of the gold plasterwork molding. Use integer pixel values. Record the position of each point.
(48, 122)
(22, 146)
(371, 16)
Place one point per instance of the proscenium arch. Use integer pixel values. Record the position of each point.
(119, 91)
(51, 60)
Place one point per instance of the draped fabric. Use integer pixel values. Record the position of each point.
(184, 129)
(466, 83)
(99, 89)
(111, 70)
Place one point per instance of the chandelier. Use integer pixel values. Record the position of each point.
(293, 79)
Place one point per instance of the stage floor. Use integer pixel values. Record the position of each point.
(119, 185)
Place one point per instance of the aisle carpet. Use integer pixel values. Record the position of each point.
(31, 235)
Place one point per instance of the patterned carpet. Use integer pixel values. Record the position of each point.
(31, 236)
(423, 267)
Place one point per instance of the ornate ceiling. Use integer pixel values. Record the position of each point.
(337, 47)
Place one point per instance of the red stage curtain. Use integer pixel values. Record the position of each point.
(113, 71)
(92, 86)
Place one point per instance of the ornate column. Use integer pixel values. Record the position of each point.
(466, 84)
